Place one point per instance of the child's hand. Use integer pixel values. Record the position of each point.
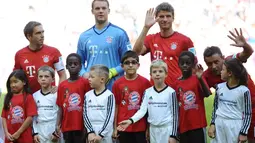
(199, 70)
(16, 135)
(9, 136)
(97, 139)
(115, 134)
(37, 139)
(54, 138)
(211, 131)
(123, 125)
(242, 139)
(54, 89)
(91, 137)
(172, 140)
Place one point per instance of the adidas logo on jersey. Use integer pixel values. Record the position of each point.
(26, 61)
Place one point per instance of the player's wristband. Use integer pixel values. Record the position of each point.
(34, 134)
(132, 121)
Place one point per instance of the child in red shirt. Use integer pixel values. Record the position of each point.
(70, 100)
(128, 91)
(19, 109)
(191, 90)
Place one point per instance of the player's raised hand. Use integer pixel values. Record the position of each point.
(123, 125)
(150, 19)
(211, 131)
(238, 38)
(242, 139)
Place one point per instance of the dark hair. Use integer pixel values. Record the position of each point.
(129, 54)
(75, 55)
(209, 51)
(92, 5)
(29, 28)
(190, 54)
(19, 74)
(237, 69)
(165, 6)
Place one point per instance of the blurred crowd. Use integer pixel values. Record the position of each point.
(207, 22)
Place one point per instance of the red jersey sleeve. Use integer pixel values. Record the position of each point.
(116, 93)
(31, 109)
(148, 39)
(4, 114)
(57, 54)
(17, 64)
(59, 96)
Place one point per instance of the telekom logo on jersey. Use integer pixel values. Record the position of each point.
(30, 70)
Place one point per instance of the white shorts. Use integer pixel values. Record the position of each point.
(45, 130)
(160, 134)
(227, 131)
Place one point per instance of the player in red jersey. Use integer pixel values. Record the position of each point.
(37, 54)
(128, 91)
(191, 90)
(167, 44)
(214, 59)
(70, 100)
(17, 114)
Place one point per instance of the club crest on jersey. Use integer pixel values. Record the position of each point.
(134, 98)
(189, 98)
(173, 45)
(17, 112)
(109, 39)
(74, 99)
(46, 58)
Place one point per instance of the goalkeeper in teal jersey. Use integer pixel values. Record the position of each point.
(104, 43)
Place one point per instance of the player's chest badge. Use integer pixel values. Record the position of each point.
(46, 58)
(173, 46)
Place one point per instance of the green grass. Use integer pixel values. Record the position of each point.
(208, 108)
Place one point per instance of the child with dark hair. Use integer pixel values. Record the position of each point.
(191, 90)
(231, 117)
(128, 91)
(70, 100)
(19, 109)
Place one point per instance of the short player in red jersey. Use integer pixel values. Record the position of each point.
(70, 99)
(191, 90)
(167, 44)
(37, 54)
(128, 91)
(19, 109)
(214, 59)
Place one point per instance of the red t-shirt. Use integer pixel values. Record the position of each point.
(30, 61)
(169, 49)
(17, 114)
(70, 99)
(128, 95)
(191, 104)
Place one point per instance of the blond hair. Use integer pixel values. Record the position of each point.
(158, 63)
(101, 70)
(47, 68)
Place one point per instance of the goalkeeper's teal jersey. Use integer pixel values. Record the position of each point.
(105, 46)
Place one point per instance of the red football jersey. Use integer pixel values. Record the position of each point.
(191, 104)
(17, 114)
(30, 61)
(128, 95)
(169, 49)
(70, 99)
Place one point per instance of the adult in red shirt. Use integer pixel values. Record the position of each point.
(167, 44)
(37, 54)
(214, 59)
